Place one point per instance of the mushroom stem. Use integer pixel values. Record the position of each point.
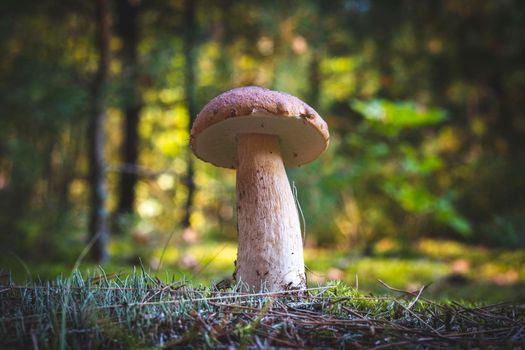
(270, 253)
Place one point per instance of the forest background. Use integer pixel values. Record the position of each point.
(423, 181)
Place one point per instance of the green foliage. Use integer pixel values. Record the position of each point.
(384, 171)
(391, 118)
(412, 168)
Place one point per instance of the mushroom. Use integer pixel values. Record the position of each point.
(258, 131)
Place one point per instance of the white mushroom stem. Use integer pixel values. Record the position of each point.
(270, 252)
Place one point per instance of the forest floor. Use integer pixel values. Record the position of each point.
(102, 310)
(437, 294)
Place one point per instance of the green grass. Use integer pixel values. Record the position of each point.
(454, 271)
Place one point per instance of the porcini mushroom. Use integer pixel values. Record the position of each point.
(258, 131)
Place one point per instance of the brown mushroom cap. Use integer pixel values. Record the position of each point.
(303, 133)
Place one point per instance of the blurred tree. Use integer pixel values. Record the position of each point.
(131, 99)
(190, 29)
(43, 68)
(98, 228)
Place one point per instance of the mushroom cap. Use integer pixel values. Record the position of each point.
(302, 132)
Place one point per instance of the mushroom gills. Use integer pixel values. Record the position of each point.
(300, 141)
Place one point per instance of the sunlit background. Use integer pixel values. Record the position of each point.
(423, 182)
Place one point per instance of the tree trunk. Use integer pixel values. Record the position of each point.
(314, 80)
(128, 30)
(98, 219)
(189, 89)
